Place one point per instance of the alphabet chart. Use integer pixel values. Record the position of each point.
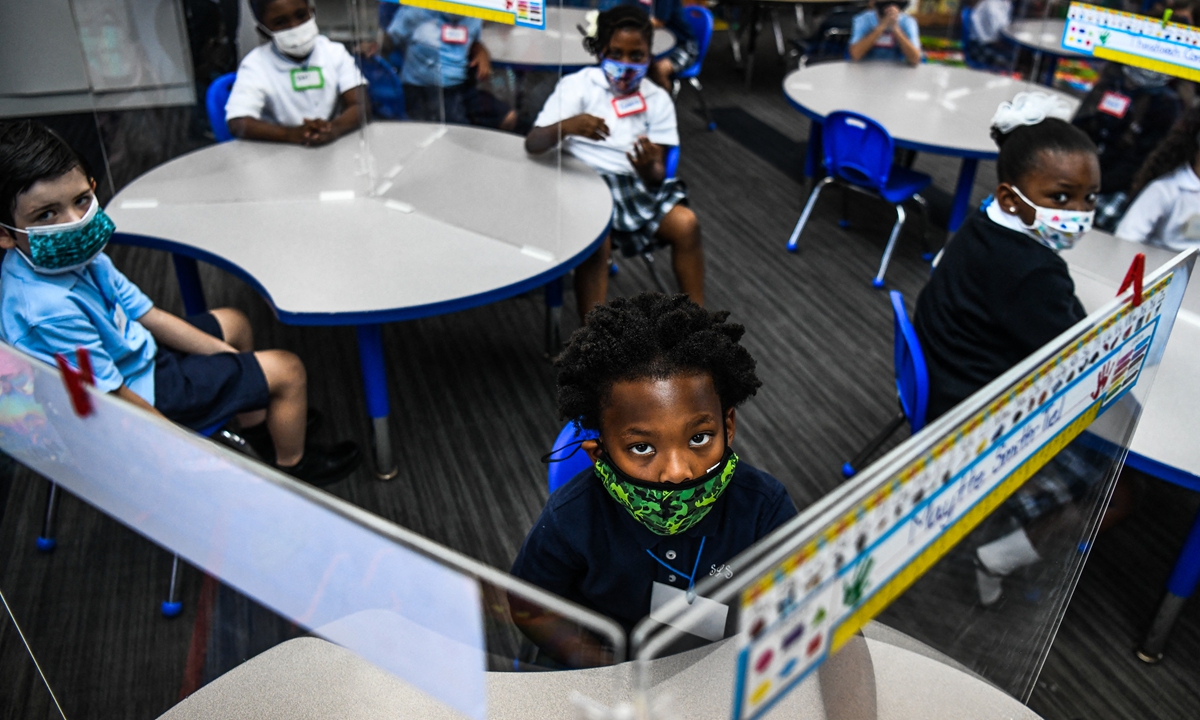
(1138, 40)
(807, 606)
(526, 13)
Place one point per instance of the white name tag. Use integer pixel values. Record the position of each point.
(886, 40)
(629, 105)
(120, 320)
(307, 79)
(708, 623)
(1114, 103)
(454, 34)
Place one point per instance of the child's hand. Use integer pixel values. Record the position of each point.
(647, 161)
(584, 125)
(317, 132)
(891, 16)
(482, 63)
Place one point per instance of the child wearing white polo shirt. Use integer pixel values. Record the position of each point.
(289, 89)
(1166, 190)
(621, 127)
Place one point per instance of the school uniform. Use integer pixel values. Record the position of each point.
(587, 548)
(670, 13)
(1166, 212)
(989, 18)
(96, 307)
(638, 210)
(996, 296)
(886, 47)
(277, 89)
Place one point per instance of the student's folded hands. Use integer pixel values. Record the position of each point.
(316, 132)
(584, 125)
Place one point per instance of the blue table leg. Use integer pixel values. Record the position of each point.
(370, 355)
(1180, 587)
(188, 275)
(554, 301)
(812, 156)
(962, 193)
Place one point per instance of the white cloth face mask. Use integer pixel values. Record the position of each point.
(1055, 228)
(298, 41)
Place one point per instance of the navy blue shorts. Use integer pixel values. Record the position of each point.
(199, 391)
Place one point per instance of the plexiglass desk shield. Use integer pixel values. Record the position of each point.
(968, 539)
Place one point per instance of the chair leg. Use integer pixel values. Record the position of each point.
(172, 607)
(1180, 587)
(887, 252)
(675, 87)
(928, 255)
(808, 206)
(695, 82)
(46, 542)
(855, 464)
(779, 45)
(651, 266)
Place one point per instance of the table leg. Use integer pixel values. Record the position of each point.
(751, 39)
(962, 193)
(1051, 68)
(554, 301)
(1180, 586)
(187, 273)
(812, 155)
(370, 356)
(778, 30)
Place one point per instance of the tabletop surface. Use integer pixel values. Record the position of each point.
(560, 43)
(404, 216)
(1167, 429)
(1040, 34)
(310, 679)
(935, 108)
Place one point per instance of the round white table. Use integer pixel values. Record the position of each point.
(450, 218)
(1041, 37)
(930, 108)
(560, 44)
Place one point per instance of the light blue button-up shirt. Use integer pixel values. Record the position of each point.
(886, 47)
(428, 61)
(96, 308)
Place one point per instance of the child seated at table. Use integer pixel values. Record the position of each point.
(1166, 205)
(60, 292)
(443, 63)
(621, 127)
(1000, 292)
(989, 18)
(289, 89)
(667, 14)
(667, 501)
(885, 32)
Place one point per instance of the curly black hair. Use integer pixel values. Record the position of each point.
(1181, 146)
(650, 335)
(1021, 147)
(622, 17)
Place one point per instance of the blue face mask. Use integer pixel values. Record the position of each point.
(624, 78)
(60, 248)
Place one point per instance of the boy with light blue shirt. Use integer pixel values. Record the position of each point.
(440, 52)
(885, 32)
(60, 292)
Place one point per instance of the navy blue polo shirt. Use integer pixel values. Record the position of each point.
(588, 549)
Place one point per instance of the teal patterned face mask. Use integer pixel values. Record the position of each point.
(665, 508)
(60, 248)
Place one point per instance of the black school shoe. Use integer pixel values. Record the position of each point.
(260, 441)
(325, 466)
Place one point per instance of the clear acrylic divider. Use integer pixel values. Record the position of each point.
(955, 554)
(276, 593)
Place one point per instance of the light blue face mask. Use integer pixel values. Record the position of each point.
(64, 247)
(624, 78)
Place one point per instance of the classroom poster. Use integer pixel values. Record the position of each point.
(1139, 40)
(526, 13)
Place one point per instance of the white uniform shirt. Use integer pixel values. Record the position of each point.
(1160, 213)
(990, 17)
(587, 91)
(277, 89)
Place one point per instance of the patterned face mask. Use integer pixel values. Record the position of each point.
(624, 78)
(1058, 229)
(664, 508)
(60, 248)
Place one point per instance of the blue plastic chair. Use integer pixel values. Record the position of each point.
(701, 21)
(964, 18)
(912, 385)
(46, 541)
(214, 101)
(858, 154)
(567, 458)
(384, 88)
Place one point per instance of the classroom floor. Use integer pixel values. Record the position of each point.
(473, 409)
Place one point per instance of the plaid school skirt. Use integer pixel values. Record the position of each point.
(638, 210)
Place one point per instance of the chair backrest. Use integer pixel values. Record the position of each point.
(701, 20)
(214, 102)
(384, 89)
(857, 149)
(568, 465)
(964, 18)
(672, 161)
(912, 377)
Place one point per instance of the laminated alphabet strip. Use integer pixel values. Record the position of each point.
(526, 13)
(1138, 40)
(808, 605)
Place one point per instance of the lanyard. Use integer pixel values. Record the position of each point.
(691, 590)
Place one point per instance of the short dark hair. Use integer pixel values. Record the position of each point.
(258, 7)
(1021, 147)
(651, 335)
(30, 152)
(621, 17)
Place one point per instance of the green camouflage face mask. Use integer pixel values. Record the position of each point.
(664, 508)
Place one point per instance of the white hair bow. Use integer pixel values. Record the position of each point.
(1029, 108)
